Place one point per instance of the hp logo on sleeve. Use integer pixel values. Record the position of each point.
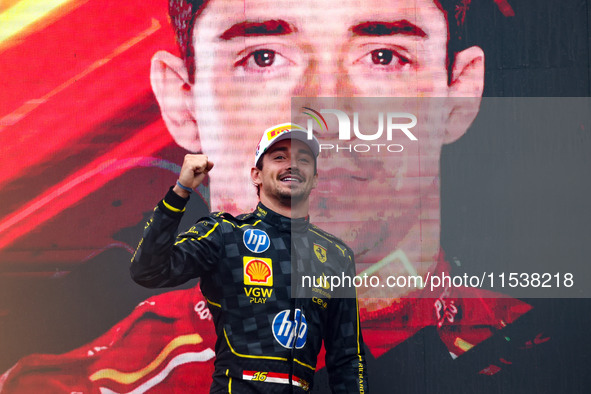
(257, 241)
(290, 333)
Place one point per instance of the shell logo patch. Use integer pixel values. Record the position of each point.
(320, 252)
(258, 271)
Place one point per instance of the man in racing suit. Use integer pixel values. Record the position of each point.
(269, 327)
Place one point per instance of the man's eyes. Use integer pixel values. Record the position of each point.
(283, 157)
(262, 60)
(268, 61)
(263, 57)
(386, 59)
(382, 57)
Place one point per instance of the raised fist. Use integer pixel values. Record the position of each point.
(194, 169)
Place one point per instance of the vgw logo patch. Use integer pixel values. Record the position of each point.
(290, 333)
(257, 241)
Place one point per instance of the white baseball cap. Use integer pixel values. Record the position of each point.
(282, 132)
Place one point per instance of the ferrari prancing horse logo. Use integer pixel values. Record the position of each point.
(320, 252)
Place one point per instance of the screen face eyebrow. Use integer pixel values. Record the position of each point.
(265, 28)
(381, 28)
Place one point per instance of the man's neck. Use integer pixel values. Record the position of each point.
(287, 208)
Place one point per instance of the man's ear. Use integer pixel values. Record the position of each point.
(170, 83)
(465, 92)
(255, 176)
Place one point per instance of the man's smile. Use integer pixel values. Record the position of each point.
(291, 178)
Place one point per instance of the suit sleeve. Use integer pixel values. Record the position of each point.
(345, 355)
(163, 259)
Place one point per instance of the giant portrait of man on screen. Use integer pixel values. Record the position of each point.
(88, 148)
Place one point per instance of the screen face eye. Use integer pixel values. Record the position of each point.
(264, 57)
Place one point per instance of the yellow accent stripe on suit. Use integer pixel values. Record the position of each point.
(248, 355)
(199, 238)
(213, 303)
(171, 208)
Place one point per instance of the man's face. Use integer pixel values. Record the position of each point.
(253, 56)
(287, 175)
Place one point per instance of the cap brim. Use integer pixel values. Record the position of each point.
(295, 134)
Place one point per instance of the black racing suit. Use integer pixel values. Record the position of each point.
(267, 340)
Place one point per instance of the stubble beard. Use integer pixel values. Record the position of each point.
(293, 195)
